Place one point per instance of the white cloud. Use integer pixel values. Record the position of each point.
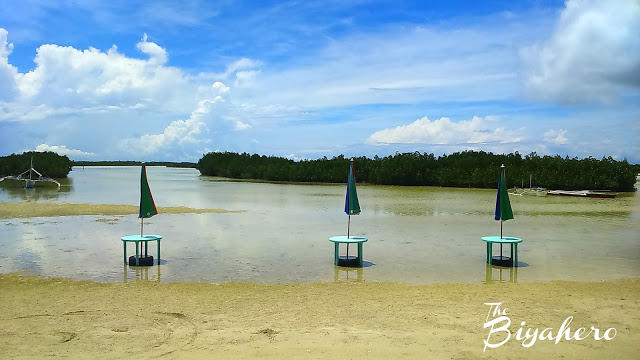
(5, 47)
(245, 78)
(62, 150)
(593, 54)
(399, 65)
(65, 77)
(7, 71)
(77, 87)
(179, 131)
(220, 87)
(240, 65)
(444, 132)
(156, 54)
(296, 158)
(555, 136)
(242, 126)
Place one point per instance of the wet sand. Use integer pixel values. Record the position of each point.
(26, 209)
(79, 319)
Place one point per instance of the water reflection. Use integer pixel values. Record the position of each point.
(354, 273)
(141, 273)
(502, 274)
(20, 193)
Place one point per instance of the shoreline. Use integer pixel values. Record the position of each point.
(45, 317)
(281, 182)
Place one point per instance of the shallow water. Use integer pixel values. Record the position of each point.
(417, 235)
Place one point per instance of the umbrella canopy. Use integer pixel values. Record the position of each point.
(147, 206)
(351, 205)
(503, 206)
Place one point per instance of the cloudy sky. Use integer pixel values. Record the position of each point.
(167, 80)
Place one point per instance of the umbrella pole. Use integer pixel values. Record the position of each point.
(348, 227)
(141, 232)
(500, 238)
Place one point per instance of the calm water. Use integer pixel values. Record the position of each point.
(417, 235)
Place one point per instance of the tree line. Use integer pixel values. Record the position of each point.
(183, 164)
(477, 169)
(47, 163)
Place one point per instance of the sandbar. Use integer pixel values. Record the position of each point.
(27, 209)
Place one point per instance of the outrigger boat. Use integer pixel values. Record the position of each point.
(31, 178)
(531, 191)
(584, 193)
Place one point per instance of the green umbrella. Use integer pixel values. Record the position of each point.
(147, 206)
(351, 204)
(503, 205)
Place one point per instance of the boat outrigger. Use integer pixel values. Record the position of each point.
(31, 178)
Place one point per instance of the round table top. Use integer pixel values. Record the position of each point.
(141, 238)
(350, 239)
(502, 240)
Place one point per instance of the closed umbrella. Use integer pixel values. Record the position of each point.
(503, 206)
(147, 206)
(351, 204)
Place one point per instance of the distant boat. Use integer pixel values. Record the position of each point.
(584, 193)
(529, 192)
(30, 178)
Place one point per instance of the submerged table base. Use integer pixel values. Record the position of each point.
(137, 239)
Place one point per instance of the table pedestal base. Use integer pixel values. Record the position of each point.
(352, 261)
(501, 261)
(143, 260)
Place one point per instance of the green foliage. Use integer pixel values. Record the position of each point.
(461, 169)
(47, 163)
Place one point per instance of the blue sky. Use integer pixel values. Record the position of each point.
(171, 81)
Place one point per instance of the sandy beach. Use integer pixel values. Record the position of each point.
(44, 318)
(48, 317)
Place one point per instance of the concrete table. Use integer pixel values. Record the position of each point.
(513, 241)
(137, 239)
(337, 240)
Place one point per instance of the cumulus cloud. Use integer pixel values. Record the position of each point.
(77, 87)
(62, 150)
(593, 54)
(444, 132)
(66, 77)
(179, 131)
(7, 71)
(242, 72)
(556, 136)
(157, 55)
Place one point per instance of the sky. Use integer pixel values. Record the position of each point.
(173, 80)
